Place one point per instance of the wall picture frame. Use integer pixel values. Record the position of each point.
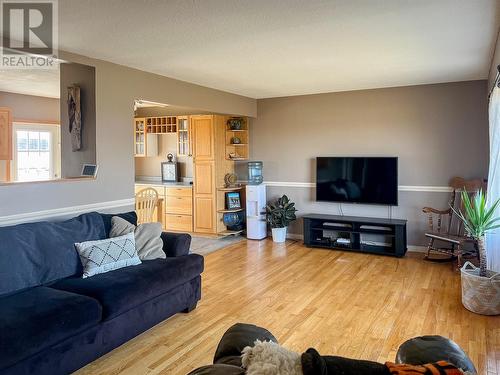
(233, 200)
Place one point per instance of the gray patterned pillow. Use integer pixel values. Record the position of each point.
(107, 255)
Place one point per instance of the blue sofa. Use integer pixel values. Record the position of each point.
(52, 321)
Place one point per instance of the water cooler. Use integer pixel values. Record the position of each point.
(256, 211)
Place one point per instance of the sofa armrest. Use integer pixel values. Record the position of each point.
(176, 244)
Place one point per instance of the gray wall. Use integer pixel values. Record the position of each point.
(437, 131)
(84, 77)
(116, 88)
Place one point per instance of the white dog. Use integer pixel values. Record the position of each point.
(269, 358)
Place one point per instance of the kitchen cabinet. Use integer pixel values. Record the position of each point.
(177, 207)
(210, 167)
(145, 143)
(5, 134)
(184, 136)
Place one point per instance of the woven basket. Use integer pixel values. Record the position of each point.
(480, 294)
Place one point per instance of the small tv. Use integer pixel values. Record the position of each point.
(366, 180)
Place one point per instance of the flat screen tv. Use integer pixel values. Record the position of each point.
(369, 180)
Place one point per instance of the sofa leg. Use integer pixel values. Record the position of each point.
(190, 308)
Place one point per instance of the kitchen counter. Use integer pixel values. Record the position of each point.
(167, 184)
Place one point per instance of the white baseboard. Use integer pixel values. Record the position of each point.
(414, 248)
(65, 212)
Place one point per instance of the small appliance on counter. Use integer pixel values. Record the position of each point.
(169, 170)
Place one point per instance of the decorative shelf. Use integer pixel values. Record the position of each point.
(230, 211)
(229, 232)
(237, 151)
(234, 188)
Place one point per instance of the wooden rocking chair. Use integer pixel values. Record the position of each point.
(446, 231)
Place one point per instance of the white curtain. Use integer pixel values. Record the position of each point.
(493, 238)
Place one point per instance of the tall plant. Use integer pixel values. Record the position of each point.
(478, 219)
(281, 213)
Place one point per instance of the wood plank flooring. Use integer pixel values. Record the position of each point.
(348, 304)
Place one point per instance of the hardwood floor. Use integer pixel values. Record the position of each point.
(348, 304)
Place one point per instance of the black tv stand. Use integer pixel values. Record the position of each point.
(351, 233)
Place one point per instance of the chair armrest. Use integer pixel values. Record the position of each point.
(430, 210)
(235, 339)
(176, 244)
(429, 349)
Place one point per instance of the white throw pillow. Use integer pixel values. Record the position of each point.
(147, 237)
(106, 255)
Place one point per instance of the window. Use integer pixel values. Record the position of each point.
(36, 152)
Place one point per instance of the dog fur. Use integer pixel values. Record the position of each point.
(270, 358)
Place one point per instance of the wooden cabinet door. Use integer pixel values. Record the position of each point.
(5, 134)
(204, 197)
(203, 137)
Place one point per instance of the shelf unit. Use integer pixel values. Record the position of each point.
(349, 233)
(232, 188)
(221, 198)
(230, 232)
(230, 211)
(161, 125)
(237, 151)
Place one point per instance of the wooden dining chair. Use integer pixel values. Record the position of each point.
(146, 200)
(446, 231)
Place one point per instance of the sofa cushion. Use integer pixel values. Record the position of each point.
(40, 317)
(147, 237)
(131, 217)
(37, 253)
(107, 255)
(121, 290)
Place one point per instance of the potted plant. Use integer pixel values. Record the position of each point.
(279, 215)
(480, 287)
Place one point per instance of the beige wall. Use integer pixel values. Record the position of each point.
(116, 88)
(84, 77)
(437, 131)
(28, 107)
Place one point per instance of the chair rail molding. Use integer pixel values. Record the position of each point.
(422, 188)
(71, 211)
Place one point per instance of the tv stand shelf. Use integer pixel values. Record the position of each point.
(353, 233)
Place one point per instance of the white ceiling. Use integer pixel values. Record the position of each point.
(31, 82)
(268, 48)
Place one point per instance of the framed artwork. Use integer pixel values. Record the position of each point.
(233, 200)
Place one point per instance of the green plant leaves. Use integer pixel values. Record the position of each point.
(281, 213)
(477, 218)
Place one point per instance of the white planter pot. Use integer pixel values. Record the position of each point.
(279, 234)
(480, 295)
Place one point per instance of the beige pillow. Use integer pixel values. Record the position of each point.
(147, 237)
